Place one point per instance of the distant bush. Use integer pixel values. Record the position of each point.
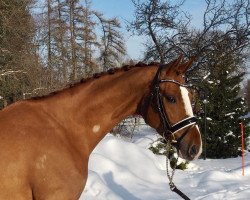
(127, 127)
(159, 148)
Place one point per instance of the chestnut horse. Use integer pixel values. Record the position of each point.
(46, 142)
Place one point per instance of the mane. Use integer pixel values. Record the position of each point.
(110, 71)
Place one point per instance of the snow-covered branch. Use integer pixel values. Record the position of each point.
(35, 91)
(12, 72)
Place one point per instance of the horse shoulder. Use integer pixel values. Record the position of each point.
(33, 145)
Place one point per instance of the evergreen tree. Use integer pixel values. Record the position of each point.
(112, 45)
(18, 60)
(248, 94)
(224, 110)
(225, 107)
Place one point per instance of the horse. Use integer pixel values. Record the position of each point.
(46, 142)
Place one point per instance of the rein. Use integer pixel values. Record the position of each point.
(172, 186)
(169, 130)
(170, 177)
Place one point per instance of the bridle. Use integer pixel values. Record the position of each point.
(155, 94)
(168, 129)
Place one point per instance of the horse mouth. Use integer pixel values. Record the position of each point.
(188, 150)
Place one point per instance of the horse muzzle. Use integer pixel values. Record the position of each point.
(190, 146)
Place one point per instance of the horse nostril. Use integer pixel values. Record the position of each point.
(193, 151)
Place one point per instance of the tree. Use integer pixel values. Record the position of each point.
(225, 107)
(49, 42)
(89, 38)
(170, 31)
(224, 110)
(19, 65)
(112, 45)
(83, 38)
(68, 39)
(220, 45)
(61, 41)
(51, 37)
(160, 21)
(248, 94)
(44, 48)
(14, 36)
(221, 20)
(72, 28)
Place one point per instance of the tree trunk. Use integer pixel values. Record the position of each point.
(49, 42)
(61, 44)
(72, 41)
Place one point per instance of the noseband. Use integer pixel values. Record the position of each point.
(155, 94)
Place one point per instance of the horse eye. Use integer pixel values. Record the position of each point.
(170, 99)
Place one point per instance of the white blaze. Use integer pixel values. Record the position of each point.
(200, 150)
(189, 112)
(186, 100)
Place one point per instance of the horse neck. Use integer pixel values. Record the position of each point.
(92, 109)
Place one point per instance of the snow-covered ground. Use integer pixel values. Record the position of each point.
(127, 170)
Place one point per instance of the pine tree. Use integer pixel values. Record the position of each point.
(112, 45)
(224, 110)
(248, 94)
(225, 107)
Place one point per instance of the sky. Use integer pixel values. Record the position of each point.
(124, 11)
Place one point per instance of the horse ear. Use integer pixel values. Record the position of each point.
(175, 64)
(185, 66)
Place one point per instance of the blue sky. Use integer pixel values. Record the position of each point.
(124, 10)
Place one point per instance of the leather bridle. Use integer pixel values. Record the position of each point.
(156, 97)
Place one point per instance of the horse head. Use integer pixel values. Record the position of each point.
(168, 109)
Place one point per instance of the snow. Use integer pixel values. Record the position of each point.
(229, 114)
(207, 75)
(230, 133)
(127, 170)
(209, 119)
(12, 72)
